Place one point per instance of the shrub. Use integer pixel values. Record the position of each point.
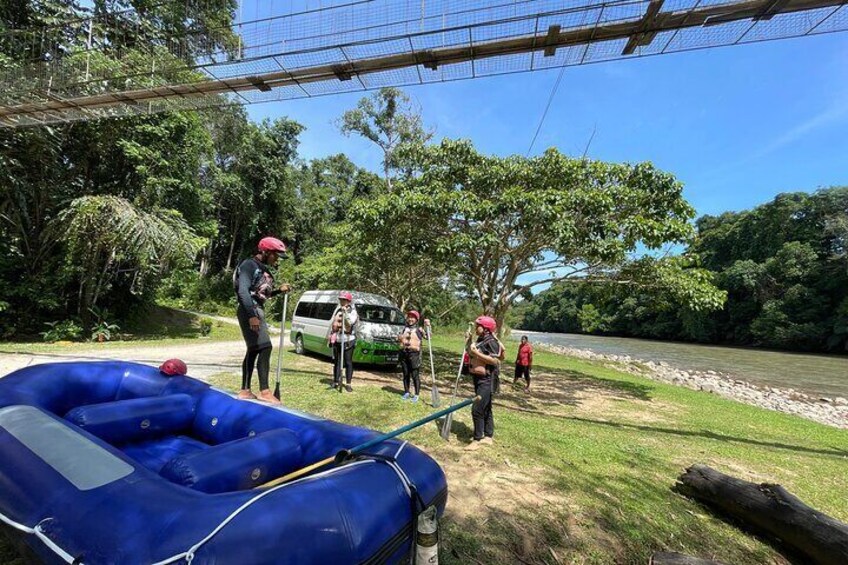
(102, 329)
(62, 330)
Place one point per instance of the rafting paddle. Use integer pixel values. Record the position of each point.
(346, 454)
(282, 339)
(434, 390)
(446, 426)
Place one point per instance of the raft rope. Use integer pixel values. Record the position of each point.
(190, 553)
(38, 532)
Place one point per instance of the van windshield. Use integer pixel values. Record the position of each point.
(380, 315)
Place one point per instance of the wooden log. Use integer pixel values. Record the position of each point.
(771, 511)
(673, 558)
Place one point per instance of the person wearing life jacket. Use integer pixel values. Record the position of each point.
(344, 321)
(524, 362)
(409, 342)
(484, 358)
(254, 285)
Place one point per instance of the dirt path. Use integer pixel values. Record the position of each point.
(204, 358)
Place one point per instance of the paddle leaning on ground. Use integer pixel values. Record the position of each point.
(446, 426)
(434, 390)
(347, 454)
(282, 340)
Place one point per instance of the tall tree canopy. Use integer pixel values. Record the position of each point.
(495, 220)
(388, 119)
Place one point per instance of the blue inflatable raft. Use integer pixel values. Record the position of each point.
(114, 462)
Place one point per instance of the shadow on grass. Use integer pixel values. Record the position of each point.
(606, 528)
(622, 508)
(681, 433)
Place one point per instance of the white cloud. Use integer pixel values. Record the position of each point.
(827, 117)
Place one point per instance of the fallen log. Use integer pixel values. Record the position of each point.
(673, 558)
(771, 511)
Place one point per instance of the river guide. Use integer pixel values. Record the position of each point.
(253, 284)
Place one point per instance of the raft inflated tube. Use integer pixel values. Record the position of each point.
(174, 485)
(346, 454)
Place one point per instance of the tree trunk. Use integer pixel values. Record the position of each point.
(771, 511)
(500, 313)
(232, 247)
(206, 259)
(673, 558)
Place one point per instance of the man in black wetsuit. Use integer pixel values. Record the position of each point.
(254, 284)
(484, 355)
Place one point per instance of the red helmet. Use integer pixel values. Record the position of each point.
(486, 322)
(271, 244)
(173, 367)
(414, 314)
(345, 295)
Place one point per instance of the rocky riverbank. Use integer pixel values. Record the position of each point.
(829, 411)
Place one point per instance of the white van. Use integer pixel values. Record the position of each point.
(380, 322)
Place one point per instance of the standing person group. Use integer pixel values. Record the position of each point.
(341, 337)
(409, 341)
(484, 356)
(254, 285)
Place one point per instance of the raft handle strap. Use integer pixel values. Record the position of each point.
(417, 505)
(38, 532)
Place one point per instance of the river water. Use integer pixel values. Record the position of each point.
(821, 375)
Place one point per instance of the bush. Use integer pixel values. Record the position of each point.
(187, 290)
(102, 329)
(206, 325)
(64, 330)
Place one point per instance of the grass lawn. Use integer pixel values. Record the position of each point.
(582, 467)
(158, 326)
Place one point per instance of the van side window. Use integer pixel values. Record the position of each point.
(323, 310)
(304, 309)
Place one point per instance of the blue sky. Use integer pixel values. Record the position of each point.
(737, 125)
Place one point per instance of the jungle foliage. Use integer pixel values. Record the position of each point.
(783, 266)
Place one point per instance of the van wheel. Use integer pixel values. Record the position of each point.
(298, 345)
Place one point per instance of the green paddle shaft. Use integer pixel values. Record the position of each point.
(345, 454)
(402, 430)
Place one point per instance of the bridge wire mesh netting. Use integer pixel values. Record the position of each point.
(357, 45)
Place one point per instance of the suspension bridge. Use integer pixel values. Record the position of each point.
(367, 44)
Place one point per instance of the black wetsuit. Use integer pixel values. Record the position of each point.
(481, 412)
(254, 284)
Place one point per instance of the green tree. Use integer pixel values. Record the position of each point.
(107, 235)
(782, 266)
(388, 119)
(494, 220)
